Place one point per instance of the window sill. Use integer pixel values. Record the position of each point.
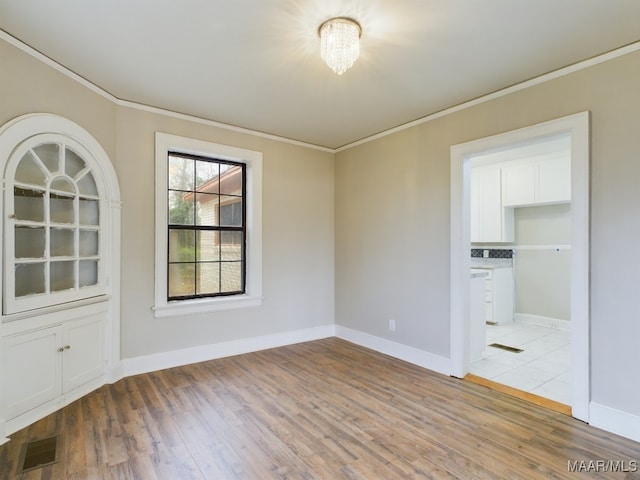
(193, 307)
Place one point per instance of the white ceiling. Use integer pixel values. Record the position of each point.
(255, 63)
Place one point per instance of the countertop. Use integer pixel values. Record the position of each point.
(478, 262)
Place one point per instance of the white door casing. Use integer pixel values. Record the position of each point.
(577, 126)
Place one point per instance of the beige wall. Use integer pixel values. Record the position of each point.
(297, 210)
(297, 244)
(29, 86)
(392, 261)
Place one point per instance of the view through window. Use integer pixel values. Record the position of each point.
(206, 227)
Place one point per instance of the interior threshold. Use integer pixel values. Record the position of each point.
(514, 392)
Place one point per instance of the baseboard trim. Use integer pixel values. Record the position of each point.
(539, 320)
(31, 416)
(3, 439)
(615, 421)
(186, 356)
(397, 350)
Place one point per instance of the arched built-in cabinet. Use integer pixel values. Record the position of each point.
(59, 334)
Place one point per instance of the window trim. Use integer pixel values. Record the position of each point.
(252, 297)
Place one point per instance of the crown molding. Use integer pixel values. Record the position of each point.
(605, 57)
(561, 72)
(146, 108)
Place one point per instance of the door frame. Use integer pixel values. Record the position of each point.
(577, 126)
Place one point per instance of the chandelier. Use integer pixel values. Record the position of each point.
(340, 43)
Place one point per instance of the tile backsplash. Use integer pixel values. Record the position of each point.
(492, 253)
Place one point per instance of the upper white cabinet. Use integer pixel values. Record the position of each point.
(554, 180)
(499, 187)
(536, 181)
(489, 221)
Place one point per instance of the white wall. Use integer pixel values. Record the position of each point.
(542, 261)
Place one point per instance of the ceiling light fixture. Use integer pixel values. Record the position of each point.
(340, 43)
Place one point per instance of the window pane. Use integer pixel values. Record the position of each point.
(49, 154)
(182, 246)
(29, 279)
(208, 246)
(230, 179)
(231, 275)
(194, 257)
(29, 171)
(73, 164)
(87, 185)
(61, 209)
(62, 242)
(207, 209)
(180, 208)
(232, 244)
(181, 173)
(88, 243)
(89, 212)
(208, 278)
(88, 271)
(29, 242)
(61, 276)
(207, 176)
(182, 279)
(231, 211)
(62, 185)
(28, 204)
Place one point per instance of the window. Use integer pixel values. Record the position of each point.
(206, 199)
(208, 228)
(53, 234)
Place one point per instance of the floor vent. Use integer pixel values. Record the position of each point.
(38, 453)
(506, 347)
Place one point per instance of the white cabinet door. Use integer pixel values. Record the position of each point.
(83, 358)
(554, 180)
(536, 182)
(31, 369)
(518, 184)
(488, 220)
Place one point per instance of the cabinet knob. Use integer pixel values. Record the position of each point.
(60, 349)
(67, 347)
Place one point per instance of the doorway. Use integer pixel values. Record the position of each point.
(576, 127)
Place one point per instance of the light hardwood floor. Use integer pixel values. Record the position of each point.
(319, 410)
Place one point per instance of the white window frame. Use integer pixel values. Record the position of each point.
(252, 297)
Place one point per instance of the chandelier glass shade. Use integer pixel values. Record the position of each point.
(339, 43)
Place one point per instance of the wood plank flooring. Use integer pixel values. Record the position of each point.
(326, 409)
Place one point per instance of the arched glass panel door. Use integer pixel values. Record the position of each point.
(53, 228)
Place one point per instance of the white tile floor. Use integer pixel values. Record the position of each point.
(541, 368)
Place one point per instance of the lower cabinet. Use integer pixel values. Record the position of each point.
(41, 365)
(499, 295)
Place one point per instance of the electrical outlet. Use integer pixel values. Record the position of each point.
(392, 325)
(485, 253)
